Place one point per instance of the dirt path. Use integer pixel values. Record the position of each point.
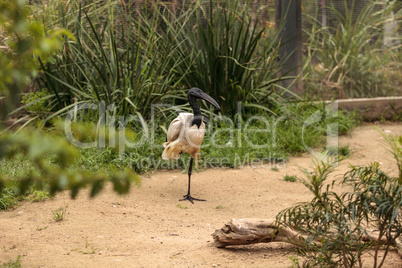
(151, 228)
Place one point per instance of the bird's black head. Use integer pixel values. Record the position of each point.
(196, 93)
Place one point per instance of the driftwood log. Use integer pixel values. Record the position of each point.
(252, 231)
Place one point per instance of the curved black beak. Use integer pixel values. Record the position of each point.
(202, 95)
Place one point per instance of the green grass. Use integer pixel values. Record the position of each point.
(343, 151)
(59, 214)
(291, 178)
(8, 199)
(131, 60)
(13, 264)
(181, 206)
(223, 146)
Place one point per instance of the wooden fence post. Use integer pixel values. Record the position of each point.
(288, 20)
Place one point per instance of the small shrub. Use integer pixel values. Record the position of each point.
(59, 214)
(37, 196)
(335, 225)
(8, 199)
(291, 178)
(36, 102)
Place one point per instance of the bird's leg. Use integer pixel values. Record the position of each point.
(188, 196)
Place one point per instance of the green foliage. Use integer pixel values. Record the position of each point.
(395, 142)
(226, 144)
(181, 206)
(337, 226)
(342, 151)
(23, 40)
(37, 195)
(349, 59)
(109, 62)
(218, 46)
(135, 58)
(13, 264)
(291, 178)
(55, 175)
(8, 199)
(36, 102)
(59, 214)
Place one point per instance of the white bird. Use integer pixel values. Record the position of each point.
(186, 132)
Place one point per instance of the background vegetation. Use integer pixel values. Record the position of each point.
(348, 57)
(93, 62)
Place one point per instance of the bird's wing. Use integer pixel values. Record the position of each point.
(174, 129)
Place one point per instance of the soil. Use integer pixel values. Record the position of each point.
(150, 227)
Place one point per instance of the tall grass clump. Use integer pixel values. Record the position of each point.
(110, 62)
(219, 47)
(348, 57)
(132, 56)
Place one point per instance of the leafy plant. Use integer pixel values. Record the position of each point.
(338, 227)
(22, 40)
(8, 199)
(57, 175)
(342, 151)
(35, 102)
(109, 63)
(59, 214)
(219, 47)
(291, 178)
(132, 58)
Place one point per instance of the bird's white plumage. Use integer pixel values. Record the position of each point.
(182, 137)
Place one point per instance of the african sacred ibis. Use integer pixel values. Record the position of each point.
(186, 132)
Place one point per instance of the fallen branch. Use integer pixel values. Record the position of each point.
(252, 231)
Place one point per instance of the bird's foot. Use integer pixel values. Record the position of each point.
(191, 199)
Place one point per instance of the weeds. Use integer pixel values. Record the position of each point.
(8, 199)
(342, 151)
(338, 227)
(13, 264)
(291, 178)
(133, 58)
(275, 168)
(42, 228)
(87, 250)
(59, 214)
(181, 206)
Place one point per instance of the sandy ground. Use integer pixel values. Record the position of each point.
(151, 228)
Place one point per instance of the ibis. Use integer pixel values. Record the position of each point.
(185, 134)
